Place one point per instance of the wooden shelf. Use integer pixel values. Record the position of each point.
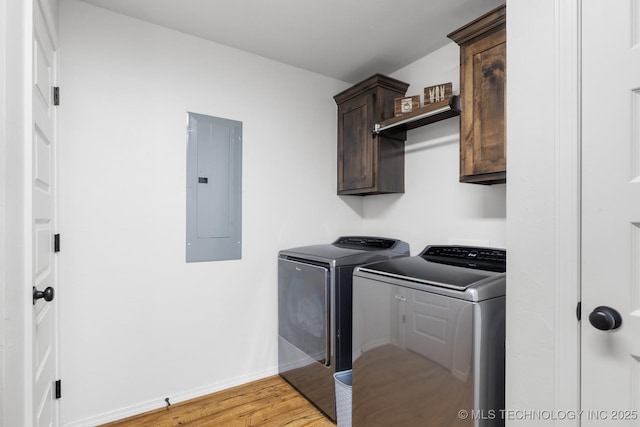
(422, 116)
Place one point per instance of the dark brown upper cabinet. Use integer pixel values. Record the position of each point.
(369, 163)
(483, 77)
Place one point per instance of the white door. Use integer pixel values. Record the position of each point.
(610, 386)
(45, 363)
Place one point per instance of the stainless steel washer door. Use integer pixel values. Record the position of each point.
(304, 307)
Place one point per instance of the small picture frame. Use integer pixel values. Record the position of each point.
(406, 104)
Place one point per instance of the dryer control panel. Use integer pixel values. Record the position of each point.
(359, 242)
(490, 259)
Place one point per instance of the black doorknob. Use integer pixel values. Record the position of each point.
(47, 294)
(605, 318)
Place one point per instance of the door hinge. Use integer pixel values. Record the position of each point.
(56, 243)
(56, 95)
(579, 311)
(58, 387)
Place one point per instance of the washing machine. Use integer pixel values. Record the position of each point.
(314, 311)
(428, 339)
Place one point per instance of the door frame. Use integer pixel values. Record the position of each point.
(543, 206)
(15, 303)
(568, 198)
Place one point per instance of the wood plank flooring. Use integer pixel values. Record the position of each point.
(270, 402)
(399, 387)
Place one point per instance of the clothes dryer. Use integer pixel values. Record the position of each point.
(314, 311)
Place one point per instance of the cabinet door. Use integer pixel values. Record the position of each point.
(356, 151)
(483, 135)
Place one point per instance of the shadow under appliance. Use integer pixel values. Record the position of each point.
(314, 311)
(428, 339)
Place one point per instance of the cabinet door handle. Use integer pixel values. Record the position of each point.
(400, 298)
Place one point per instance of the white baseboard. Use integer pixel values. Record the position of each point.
(152, 404)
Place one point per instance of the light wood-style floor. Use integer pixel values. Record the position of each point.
(270, 402)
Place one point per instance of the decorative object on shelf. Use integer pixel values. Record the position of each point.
(437, 93)
(369, 163)
(404, 105)
(483, 46)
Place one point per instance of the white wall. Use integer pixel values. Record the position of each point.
(436, 208)
(138, 324)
